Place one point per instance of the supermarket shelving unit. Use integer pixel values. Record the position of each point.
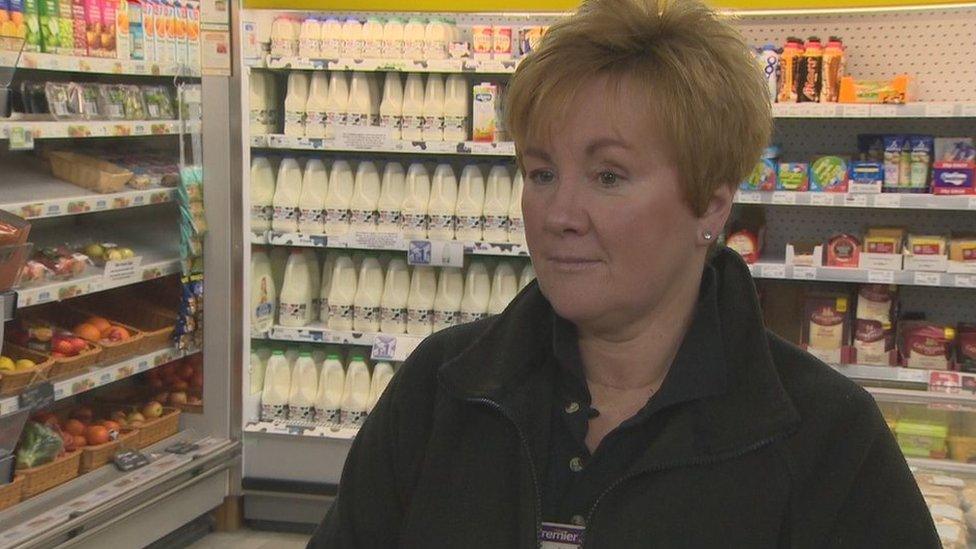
(106, 507)
(931, 43)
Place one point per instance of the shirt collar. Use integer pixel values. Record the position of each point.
(699, 369)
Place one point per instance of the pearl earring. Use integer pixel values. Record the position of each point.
(707, 235)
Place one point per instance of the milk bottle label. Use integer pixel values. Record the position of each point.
(391, 121)
(414, 221)
(357, 119)
(294, 118)
(432, 123)
(471, 317)
(496, 223)
(282, 213)
(413, 49)
(411, 122)
(261, 215)
(330, 47)
(297, 312)
(366, 314)
(516, 225)
(419, 316)
(467, 222)
(456, 123)
(436, 50)
(372, 48)
(314, 216)
(392, 48)
(271, 412)
(353, 419)
(329, 416)
(309, 47)
(445, 318)
(342, 312)
(315, 118)
(362, 217)
(324, 309)
(441, 222)
(284, 47)
(336, 216)
(301, 413)
(335, 118)
(389, 219)
(393, 315)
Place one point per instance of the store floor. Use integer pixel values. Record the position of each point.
(251, 539)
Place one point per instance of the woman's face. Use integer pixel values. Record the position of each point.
(609, 230)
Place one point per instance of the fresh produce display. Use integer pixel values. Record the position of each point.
(79, 101)
(9, 365)
(45, 337)
(178, 383)
(40, 443)
(99, 330)
(100, 252)
(79, 427)
(54, 263)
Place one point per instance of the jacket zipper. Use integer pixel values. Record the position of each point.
(690, 463)
(528, 454)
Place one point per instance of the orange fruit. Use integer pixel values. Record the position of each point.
(96, 434)
(80, 441)
(99, 323)
(87, 331)
(74, 427)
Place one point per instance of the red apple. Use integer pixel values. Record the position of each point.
(117, 333)
(178, 398)
(78, 344)
(64, 347)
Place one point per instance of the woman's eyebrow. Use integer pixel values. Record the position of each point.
(537, 153)
(606, 142)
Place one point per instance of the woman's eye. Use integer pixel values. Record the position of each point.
(542, 177)
(609, 179)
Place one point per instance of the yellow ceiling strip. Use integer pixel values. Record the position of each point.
(554, 5)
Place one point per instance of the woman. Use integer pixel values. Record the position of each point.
(632, 397)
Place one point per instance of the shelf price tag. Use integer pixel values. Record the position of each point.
(749, 197)
(881, 277)
(928, 279)
(939, 110)
(821, 199)
(36, 397)
(784, 197)
(21, 139)
(890, 200)
(857, 111)
(772, 271)
(884, 111)
(435, 253)
(805, 273)
(972, 203)
(965, 281)
(130, 460)
(856, 200)
(969, 111)
(122, 269)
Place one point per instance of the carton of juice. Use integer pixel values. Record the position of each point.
(164, 48)
(6, 27)
(79, 26)
(193, 36)
(484, 120)
(149, 29)
(108, 38)
(66, 29)
(93, 27)
(49, 12)
(137, 31)
(32, 26)
(181, 14)
(123, 43)
(12, 18)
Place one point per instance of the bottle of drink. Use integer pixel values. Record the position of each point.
(337, 106)
(293, 302)
(432, 127)
(436, 39)
(498, 198)
(360, 101)
(443, 198)
(288, 190)
(339, 198)
(310, 39)
(277, 384)
(304, 386)
(414, 35)
(393, 38)
(263, 111)
(477, 292)
(342, 295)
(351, 42)
(279, 258)
(420, 301)
(372, 38)
(413, 108)
(331, 38)
(355, 394)
(369, 292)
(516, 225)
(328, 398)
(528, 275)
(317, 105)
(325, 287)
(264, 293)
(392, 191)
(504, 286)
(447, 303)
(470, 204)
(262, 194)
(365, 198)
(311, 203)
(314, 283)
(295, 102)
(391, 108)
(456, 107)
(375, 98)
(255, 372)
(291, 354)
(415, 200)
(284, 38)
(382, 374)
(396, 291)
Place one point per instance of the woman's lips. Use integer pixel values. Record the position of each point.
(572, 264)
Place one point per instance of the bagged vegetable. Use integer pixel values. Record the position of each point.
(39, 444)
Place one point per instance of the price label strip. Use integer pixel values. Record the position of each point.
(435, 253)
(130, 460)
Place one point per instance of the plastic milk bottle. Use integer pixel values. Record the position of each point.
(456, 107)
(328, 398)
(477, 292)
(317, 105)
(391, 108)
(369, 292)
(415, 200)
(432, 126)
(264, 295)
(295, 102)
(293, 302)
(382, 374)
(393, 304)
(516, 225)
(304, 386)
(420, 301)
(288, 190)
(365, 198)
(336, 108)
(447, 304)
(392, 190)
(277, 384)
(498, 197)
(355, 394)
(342, 295)
(413, 108)
(339, 198)
(504, 286)
(311, 203)
(331, 38)
(443, 197)
(262, 194)
(470, 204)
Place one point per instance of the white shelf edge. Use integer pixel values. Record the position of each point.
(781, 271)
(946, 465)
(386, 146)
(388, 242)
(101, 375)
(99, 65)
(90, 203)
(463, 66)
(883, 201)
(66, 289)
(300, 429)
(81, 129)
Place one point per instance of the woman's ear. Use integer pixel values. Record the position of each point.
(718, 210)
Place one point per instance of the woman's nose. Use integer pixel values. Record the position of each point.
(565, 210)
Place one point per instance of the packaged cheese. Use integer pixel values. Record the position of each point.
(843, 250)
(926, 345)
(932, 245)
(826, 325)
(963, 248)
(884, 240)
(874, 334)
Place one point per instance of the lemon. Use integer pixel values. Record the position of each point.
(24, 364)
(7, 365)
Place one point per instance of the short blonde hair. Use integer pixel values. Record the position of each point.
(704, 86)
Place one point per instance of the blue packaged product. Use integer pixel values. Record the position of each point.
(866, 177)
(922, 152)
(871, 147)
(893, 146)
(762, 178)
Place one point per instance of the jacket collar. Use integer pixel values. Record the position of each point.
(507, 364)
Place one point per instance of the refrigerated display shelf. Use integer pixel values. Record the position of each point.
(300, 428)
(945, 465)
(390, 347)
(894, 201)
(98, 376)
(77, 129)
(483, 66)
(389, 242)
(80, 506)
(98, 281)
(781, 271)
(372, 141)
(30, 191)
(96, 65)
(923, 109)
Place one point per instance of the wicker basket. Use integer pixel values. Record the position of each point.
(11, 383)
(153, 431)
(11, 493)
(89, 172)
(93, 457)
(155, 325)
(44, 477)
(67, 366)
(112, 351)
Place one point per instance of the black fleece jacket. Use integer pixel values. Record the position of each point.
(792, 454)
